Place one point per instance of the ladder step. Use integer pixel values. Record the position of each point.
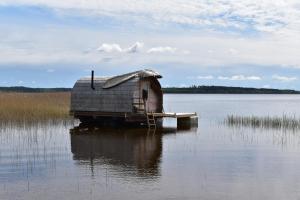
(151, 120)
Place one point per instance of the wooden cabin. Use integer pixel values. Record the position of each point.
(128, 97)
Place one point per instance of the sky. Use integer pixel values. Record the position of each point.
(248, 43)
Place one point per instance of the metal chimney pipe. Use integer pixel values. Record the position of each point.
(92, 80)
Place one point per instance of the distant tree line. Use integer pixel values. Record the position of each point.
(225, 90)
(28, 89)
(173, 90)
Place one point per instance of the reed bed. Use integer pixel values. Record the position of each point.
(277, 122)
(34, 107)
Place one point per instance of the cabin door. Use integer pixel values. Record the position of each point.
(144, 91)
(149, 97)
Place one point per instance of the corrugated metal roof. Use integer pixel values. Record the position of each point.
(112, 81)
(116, 80)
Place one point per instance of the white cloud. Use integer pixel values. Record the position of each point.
(218, 34)
(278, 33)
(135, 48)
(233, 51)
(223, 78)
(110, 48)
(162, 50)
(205, 77)
(186, 52)
(265, 15)
(240, 78)
(284, 78)
(116, 48)
(210, 51)
(51, 46)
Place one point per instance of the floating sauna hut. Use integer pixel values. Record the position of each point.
(135, 97)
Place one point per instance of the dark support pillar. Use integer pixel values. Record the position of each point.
(92, 80)
(159, 122)
(187, 122)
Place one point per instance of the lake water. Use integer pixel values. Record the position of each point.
(213, 161)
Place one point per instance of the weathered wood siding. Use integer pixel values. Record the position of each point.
(116, 99)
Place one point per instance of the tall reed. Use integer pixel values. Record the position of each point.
(33, 107)
(282, 122)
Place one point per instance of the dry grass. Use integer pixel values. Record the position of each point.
(277, 122)
(32, 107)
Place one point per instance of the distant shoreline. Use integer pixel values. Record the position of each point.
(172, 90)
(225, 90)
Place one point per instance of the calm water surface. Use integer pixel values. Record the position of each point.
(213, 161)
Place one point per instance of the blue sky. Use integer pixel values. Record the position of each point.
(52, 43)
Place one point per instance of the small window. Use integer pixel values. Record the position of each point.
(145, 94)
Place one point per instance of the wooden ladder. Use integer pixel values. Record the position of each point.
(151, 120)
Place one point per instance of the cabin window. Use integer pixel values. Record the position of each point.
(145, 94)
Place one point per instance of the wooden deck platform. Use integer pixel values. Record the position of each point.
(173, 115)
(151, 118)
(184, 120)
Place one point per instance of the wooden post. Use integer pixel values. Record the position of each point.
(187, 122)
(92, 80)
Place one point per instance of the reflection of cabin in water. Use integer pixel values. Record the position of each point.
(134, 97)
(118, 147)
